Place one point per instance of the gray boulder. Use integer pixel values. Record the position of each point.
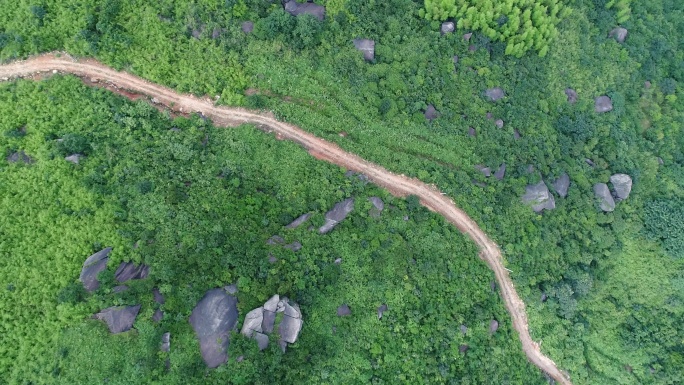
(499, 123)
(128, 270)
(119, 318)
(294, 246)
(539, 197)
(268, 322)
(447, 27)
(431, 113)
(272, 303)
(262, 340)
(516, 134)
(603, 195)
(295, 9)
(463, 329)
(493, 326)
(484, 170)
(382, 309)
(158, 297)
(19, 156)
(275, 240)
(501, 172)
(494, 94)
(92, 267)
(367, 47)
(338, 213)
(603, 104)
(213, 318)
(157, 316)
(562, 184)
(289, 329)
(247, 27)
(253, 321)
(377, 203)
(299, 221)
(472, 132)
(571, 94)
(343, 310)
(619, 33)
(74, 158)
(165, 342)
(622, 184)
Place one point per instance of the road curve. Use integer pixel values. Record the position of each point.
(92, 71)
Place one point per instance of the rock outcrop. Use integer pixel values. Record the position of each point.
(295, 9)
(562, 184)
(367, 47)
(338, 213)
(602, 193)
(119, 318)
(603, 104)
(213, 318)
(539, 197)
(92, 267)
(622, 185)
(128, 270)
(495, 94)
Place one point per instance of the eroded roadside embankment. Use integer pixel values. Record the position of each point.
(399, 185)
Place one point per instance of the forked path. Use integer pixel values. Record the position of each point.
(92, 71)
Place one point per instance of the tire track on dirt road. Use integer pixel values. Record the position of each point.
(92, 71)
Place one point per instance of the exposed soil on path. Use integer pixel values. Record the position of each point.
(129, 85)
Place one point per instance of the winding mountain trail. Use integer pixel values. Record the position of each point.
(92, 71)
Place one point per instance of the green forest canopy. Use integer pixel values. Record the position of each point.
(613, 281)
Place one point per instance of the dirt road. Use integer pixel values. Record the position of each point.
(93, 72)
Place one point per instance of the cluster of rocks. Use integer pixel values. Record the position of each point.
(622, 186)
(118, 318)
(487, 172)
(260, 322)
(540, 198)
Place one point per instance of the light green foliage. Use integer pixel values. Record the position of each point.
(623, 9)
(522, 24)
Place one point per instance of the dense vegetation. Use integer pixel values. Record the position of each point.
(614, 281)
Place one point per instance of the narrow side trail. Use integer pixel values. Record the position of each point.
(92, 71)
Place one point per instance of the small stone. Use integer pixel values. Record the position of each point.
(343, 310)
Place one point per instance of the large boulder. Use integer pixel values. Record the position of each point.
(338, 213)
(92, 267)
(562, 184)
(619, 33)
(299, 221)
(128, 270)
(539, 197)
(622, 184)
(603, 104)
(213, 318)
(367, 47)
(495, 93)
(431, 113)
(119, 318)
(602, 193)
(295, 9)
